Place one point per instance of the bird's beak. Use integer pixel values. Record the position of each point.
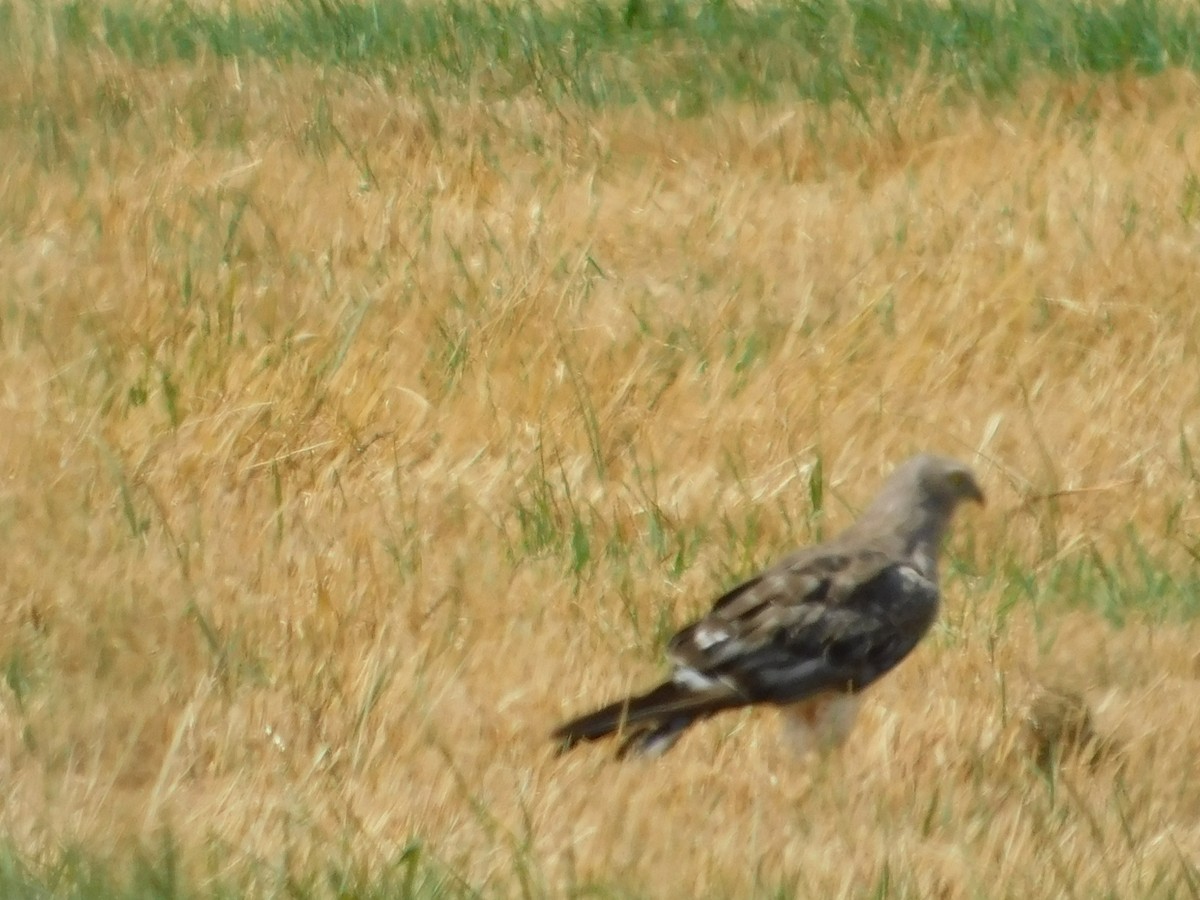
(975, 492)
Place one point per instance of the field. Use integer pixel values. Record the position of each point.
(383, 384)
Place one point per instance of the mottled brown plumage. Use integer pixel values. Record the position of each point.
(810, 632)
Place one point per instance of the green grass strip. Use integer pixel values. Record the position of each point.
(152, 871)
(692, 53)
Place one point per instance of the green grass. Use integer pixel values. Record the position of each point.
(153, 872)
(583, 511)
(688, 54)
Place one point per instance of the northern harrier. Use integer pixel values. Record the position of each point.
(809, 633)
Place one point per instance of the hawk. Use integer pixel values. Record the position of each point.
(810, 632)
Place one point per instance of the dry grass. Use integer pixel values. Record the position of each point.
(349, 446)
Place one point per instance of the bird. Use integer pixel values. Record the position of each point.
(809, 633)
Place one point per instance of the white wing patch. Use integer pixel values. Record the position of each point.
(706, 635)
(686, 676)
(913, 578)
(925, 562)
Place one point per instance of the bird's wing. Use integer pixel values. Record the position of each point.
(817, 621)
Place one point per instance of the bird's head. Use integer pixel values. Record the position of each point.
(919, 498)
(945, 481)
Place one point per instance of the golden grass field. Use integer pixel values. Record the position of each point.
(350, 445)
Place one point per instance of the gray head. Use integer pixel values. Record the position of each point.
(918, 500)
(942, 482)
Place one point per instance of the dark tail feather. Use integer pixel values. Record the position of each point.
(651, 722)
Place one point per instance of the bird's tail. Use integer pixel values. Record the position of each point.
(650, 723)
